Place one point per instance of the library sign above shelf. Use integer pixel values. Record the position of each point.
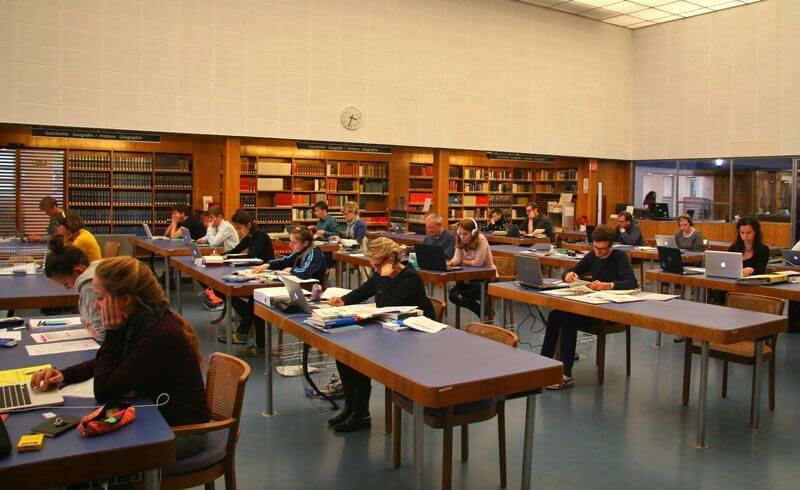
(357, 147)
(95, 134)
(522, 157)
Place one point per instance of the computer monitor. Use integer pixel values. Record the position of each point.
(660, 210)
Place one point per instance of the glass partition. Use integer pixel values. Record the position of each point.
(658, 178)
(763, 187)
(704, 188)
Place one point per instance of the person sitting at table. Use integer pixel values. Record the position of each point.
(70, 226)
(537, 221)
(610, 269)
(649, 201)
(628, 232)
(687, 237)
(356, 228)
(326, 227)
(148, 349)
(437, 235)
(497, 222)
(755, 254)
(219, 233)
(472, 249)
(181, 217)
(68, 266)
(257, 245)
(50, 206)
(394, 283)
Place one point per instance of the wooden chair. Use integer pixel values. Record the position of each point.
(225, 386)
(507, 271)
(740, 352)
(600, 331)
(439, 307)
(460, 415)
(111, 249)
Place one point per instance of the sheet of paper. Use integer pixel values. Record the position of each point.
(61, 347)
(60, 322)
(657, 296)
(84, 389)
(11, 334)
(75, 334)
(334, 292)
(424, 324)
(21, 374)
(589, 298)
(618, 298)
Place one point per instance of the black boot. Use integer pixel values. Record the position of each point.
(340, 417)
(356, 421)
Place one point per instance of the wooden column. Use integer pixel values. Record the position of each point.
(441, 179)
(230, 175)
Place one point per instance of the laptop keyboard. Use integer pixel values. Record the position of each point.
(12, 396)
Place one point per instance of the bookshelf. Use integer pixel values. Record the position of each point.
(116, 191)
(281, 192)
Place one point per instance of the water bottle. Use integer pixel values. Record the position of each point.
(316, 292)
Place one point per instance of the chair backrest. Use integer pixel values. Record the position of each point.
(505, 266)
(756, 302)
(439, 308)
(492, 332)
(111, 249)
(227, 376)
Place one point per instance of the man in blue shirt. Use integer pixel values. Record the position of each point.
(326, 226)
(436, 234)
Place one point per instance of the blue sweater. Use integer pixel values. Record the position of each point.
(329, 226)
(312, 267)
(359, 231)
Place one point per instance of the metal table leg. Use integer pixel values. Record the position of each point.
(483, 301)
(419, 428)
(268, 410)
(527, 445)
(166, 278)
(178, 290)
(503, 309)
(338, 273)
(152, 479)
(755, 411)
(701, 403)
(228, 323)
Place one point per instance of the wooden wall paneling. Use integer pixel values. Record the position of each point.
(231, 173)
(773, 233)
(615, 178)
(441, 177)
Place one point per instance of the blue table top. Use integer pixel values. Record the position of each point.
(149, 427)
(165, 247)
(34, 286)
(411, 237)
(211, 275)
(449, 360)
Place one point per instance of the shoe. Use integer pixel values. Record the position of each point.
(252, 351)
(213, 307)
(678, 339)
(340, 417)
(353, 423)
(235, 339)
(566, 382)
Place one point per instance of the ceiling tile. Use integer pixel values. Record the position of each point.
(667, 19)
(597, 3)
(726, 5)
(572, 7)
(623, 20)
(543, 3)
(653, 3)
(643, 23)
(650, 14)
(625, 7)
(678, 7)
(696, 12)
(599, 14)
(709, 3)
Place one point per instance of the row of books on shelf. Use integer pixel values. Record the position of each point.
(171, 197)
(343, 169)
(133, 215)
(417, 170)
(274, 168)
(96, 215)
(247, 201)
(270, 184)
(305, 199)
(302, 214)
(273, 215)
(340, 185)
(133, 180)
(314, 168)
(476, 187)
(479, 200)
(337, 201)
(467, 213)
(247, 165)
(180, 180)
(133, 197)
(419, 198)
(97, 179)
(89, 197)
(173, 162)
(142, 163)
(499, 187)
(248, 184)
(130, 162)
(374, 186)
(374, 170)
(557, 174)
(527, 188)
(500, 200)
(421, 185)
(375, 220)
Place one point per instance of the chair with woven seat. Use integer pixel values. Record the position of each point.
(740, 352)
(459, 415)
(506, 272)
(439, 308)
(111, 249)
(225, 386)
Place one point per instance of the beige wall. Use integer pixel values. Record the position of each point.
(722, 84)
(472, 74)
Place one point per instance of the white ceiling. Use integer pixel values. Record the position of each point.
(634, 14)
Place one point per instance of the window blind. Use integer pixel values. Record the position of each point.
(41, 174)
(8, 191)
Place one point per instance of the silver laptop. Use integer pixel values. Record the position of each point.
(16, 396)
(791, 256)
(396, 227)
(724, 264)
(529, 273)
(149, 233)
(187, 237)
(297, 296)
(666, 241)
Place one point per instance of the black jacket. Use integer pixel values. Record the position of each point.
(615, 268)
(404, 289)
(257, 244)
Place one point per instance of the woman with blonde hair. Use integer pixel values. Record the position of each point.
(148, 349)
(394, 283)
(356, 228)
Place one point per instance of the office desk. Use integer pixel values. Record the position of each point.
(573, 235)
(34, 291)
(401, 238)
(357, 259)
(723, 247)
(544, 259)
(518, 241)
(699, 321)
(146, 445)
(167, 249)
(784, 266)
(786, 291)
(432, 370)
(212, 276)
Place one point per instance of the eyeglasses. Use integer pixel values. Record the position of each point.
(601, 249)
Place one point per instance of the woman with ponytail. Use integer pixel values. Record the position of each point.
(69, 267)
(148, 349)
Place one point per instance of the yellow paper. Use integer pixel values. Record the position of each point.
(20, 375)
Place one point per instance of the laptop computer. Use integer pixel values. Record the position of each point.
(20, 395)
(529, 274)
(396, 227)
(149, 234)
(670, 260)
(296, 295)
(196, 253)
(724, 264)
(187, 237)
(791, 256)
(666, 241)
(431, 257)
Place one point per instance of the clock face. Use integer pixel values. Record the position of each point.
(351, 118)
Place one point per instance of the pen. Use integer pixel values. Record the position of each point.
(45, 323)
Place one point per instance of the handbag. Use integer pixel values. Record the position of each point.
(107, 418)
